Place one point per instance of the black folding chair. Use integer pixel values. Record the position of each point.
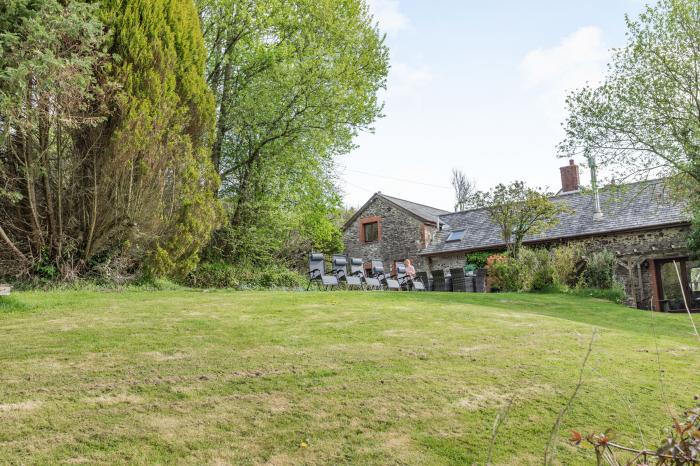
(317, 273)
(389, 282)
(422, 277)
(438, 280)
(357, 273)
(417, 283)
(385, 282)
(402, 278)
(376, 273)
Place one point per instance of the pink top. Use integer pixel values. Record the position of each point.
(411, 270)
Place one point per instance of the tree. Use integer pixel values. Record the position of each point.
(160, 134)
(644, 119)
(518, 210)
(294, 82)
(47, 100)
(463, 190)
(105, 119)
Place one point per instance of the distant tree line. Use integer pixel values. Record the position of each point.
(139, 136)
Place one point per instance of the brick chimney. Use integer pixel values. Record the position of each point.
(570, 177)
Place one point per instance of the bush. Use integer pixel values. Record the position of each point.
(536, 270)
(531, 271)
(478, 260)
(222, 275)
(504, 272)
(564, 261)
(599, 271)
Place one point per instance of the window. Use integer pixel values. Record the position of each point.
(456, 235)
(371, 232)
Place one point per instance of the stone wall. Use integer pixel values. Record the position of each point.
(633, 250)
(402, 235)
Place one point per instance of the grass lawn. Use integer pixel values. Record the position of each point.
(328, 378)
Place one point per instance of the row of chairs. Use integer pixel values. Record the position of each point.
(350, 272)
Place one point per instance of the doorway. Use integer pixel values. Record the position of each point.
(677, 280)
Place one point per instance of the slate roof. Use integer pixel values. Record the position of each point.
(422, 212)
(635, 206)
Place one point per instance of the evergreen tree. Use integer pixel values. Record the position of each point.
(161, 131)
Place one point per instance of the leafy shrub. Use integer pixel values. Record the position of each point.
(599, 271)
(536, 272)
(505, 273)
(222, 275)
(564, 261)
(478, 260)
(213, 275)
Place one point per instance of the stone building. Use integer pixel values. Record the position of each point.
(645, 229)
(391, 230)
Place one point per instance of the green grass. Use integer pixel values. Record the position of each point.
(328, 378)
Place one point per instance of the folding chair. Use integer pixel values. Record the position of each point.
(438, 280)
(422, 277)
(386, 280)
(357, 274)
(317, 273)
(401, 277)
(376, 272)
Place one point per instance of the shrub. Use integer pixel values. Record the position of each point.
(213, 275)
(505, 273)
(564, 260)
(478, 260)
(222, 275)
(536, 270)
(599, 271)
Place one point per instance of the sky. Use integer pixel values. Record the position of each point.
(479, 86)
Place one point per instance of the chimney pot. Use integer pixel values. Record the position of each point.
(570, 179)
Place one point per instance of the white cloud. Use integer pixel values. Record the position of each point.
(579, 59)
(388, 15)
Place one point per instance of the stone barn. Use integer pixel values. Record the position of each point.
(390, 229)
(638, 222)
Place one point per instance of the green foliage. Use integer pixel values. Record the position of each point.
(295, 81)
(564, 263)
(164, 121)
(50, 97)
(642, 121)
(224, 275)
(536, 269)
(110, 120)
(505, 272)
(478, 259)
(540, 269)
(531, 271)
(599, 271)
(518, 210)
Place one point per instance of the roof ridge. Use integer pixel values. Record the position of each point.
(412, 202)
(570, 193)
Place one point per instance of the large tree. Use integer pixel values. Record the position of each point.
(294, 82)
(645, 116)
(644, 119)
(161, 132)
(103, 137)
